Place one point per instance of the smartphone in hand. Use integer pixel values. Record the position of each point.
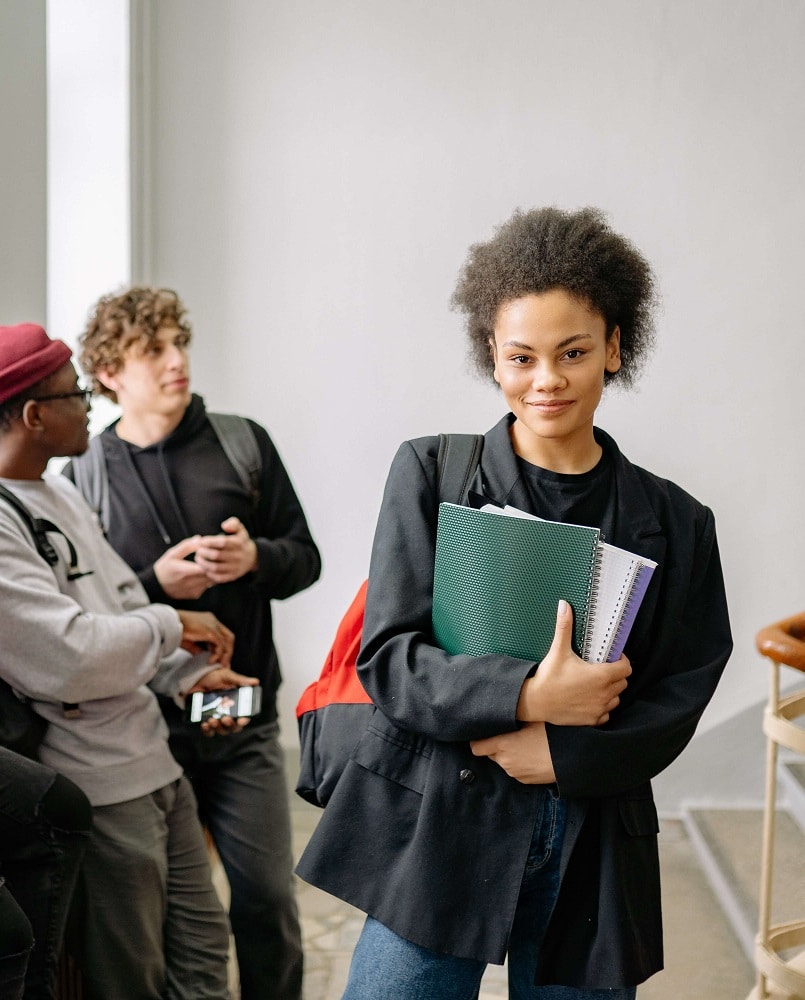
(239, 703)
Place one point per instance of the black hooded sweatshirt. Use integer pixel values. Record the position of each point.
(185, 485)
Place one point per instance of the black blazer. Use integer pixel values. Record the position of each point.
(431, 840)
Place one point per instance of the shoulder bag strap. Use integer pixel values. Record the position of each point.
(92, 479)
(458, 458)
(240, 446)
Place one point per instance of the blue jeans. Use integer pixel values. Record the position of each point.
(385, 965)
(242, 795)
(44, 819)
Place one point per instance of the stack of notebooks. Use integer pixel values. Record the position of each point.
(500, 574)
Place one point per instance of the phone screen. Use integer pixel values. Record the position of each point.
(239, 703)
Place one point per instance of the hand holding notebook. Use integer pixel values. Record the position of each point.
(567, 690)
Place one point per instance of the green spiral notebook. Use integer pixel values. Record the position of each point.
(498, 580)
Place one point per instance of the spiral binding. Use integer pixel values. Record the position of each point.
(624, 617)
(592, 602)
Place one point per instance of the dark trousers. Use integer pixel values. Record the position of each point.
(146, 922)
(16, 945)
(242, 795)
(44, 821)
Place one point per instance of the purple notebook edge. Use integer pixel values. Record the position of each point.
(632, 606)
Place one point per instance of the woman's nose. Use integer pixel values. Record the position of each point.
(547, 378)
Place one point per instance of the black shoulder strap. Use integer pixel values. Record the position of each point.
(240, 446)
(233, 431)
(37, 526)
(458, 458)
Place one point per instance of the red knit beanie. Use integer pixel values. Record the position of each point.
(27, 355)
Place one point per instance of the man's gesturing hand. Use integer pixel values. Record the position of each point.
(228, 556)
(180, 577)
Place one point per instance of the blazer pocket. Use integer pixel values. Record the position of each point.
(394, 754)
(639, 817)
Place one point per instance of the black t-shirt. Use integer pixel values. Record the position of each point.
(586, 498)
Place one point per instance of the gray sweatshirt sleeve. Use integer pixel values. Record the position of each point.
(76, 640)
(178, 673)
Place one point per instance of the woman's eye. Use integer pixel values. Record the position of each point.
(574, 353)
(521, 359)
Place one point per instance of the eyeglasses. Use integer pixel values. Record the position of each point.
(85, 394)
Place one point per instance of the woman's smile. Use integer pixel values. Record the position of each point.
(546, 344)
(550, 407)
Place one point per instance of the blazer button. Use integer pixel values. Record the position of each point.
(467, 776)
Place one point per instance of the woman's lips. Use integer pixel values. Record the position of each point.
(550, 407)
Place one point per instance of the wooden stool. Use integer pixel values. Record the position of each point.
(784, 979)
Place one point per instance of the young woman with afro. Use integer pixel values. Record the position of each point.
(499, 809)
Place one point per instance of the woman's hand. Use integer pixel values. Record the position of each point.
(523, 754)
(567, 690)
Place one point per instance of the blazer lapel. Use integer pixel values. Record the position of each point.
(637, 529)
(498, 477)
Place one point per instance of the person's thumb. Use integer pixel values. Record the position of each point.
(563, 634)
(231, 525)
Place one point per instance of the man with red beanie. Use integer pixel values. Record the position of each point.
(85, 647)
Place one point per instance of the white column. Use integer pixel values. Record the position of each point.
(89, 233)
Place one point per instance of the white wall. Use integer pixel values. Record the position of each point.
(88, 217)
(317, 171)
(23, 177)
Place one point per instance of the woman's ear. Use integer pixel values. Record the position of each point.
(613, 361)
(493, 353)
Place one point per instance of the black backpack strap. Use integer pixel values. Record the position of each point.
(234, 433)
(92, 479)
(458, 458)
(38, 527)
(240, 446)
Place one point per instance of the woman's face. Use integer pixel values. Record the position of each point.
(551, 352)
